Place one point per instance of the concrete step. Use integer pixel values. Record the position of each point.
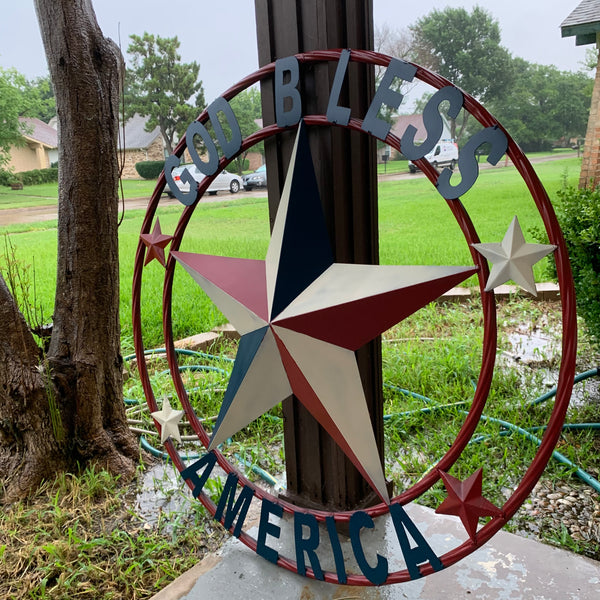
(508, 567)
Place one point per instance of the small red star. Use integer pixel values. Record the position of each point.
(156, 243)
(465, 501)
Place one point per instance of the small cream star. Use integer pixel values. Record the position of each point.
(513, 259)
(168, 419)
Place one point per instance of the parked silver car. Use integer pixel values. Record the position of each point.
(223, 182)
(257, 179)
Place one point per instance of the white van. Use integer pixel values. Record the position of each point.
(445, 154)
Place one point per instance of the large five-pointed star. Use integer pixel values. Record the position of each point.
(513, 259)
(302, 316)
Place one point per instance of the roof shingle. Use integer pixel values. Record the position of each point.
(136, 136)
(37, 130)
(583, 22)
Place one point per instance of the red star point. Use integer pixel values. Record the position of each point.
(156, 243)
(465, 501)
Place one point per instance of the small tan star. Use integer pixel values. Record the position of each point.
(168, 419)
(513, 259)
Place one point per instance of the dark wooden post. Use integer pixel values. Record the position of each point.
(318, 473)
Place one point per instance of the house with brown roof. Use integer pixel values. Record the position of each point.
(39, 148)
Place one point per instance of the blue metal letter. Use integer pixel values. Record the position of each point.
(338, 114)
(208, 462)
(433, 123)
(210, 167)
(378, 574)
(308, 545)
(385, 95)
(467, 162)
(265, 528)
(287, 90)
(187, 198)
(241, 506)
(232, 146)
(422, 552)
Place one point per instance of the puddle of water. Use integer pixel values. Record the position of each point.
(532, 348)
(163, 495)
(161, 491)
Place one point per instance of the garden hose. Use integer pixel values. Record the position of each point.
(508, 428)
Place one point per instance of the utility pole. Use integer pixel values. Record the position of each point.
(318, 473)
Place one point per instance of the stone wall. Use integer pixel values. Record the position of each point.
(255, 160)
(153, 152)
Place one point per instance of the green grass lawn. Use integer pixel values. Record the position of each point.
(416, 227)
(47, 194)
(435, 352)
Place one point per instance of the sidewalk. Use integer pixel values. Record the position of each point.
(509, 567)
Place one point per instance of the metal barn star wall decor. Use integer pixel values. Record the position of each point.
(465, 501)
(302, 316)
(298, 310)
(156, 242)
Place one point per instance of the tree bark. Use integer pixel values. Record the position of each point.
(27, 440)
(81, 375)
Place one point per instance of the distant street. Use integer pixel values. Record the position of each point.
(48, 213)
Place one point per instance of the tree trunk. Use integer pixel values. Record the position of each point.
(28, 443)
(82, 371)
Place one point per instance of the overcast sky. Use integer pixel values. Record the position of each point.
(224, 43)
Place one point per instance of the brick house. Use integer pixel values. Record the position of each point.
(39, 149)
(139, 145)
(584, 24)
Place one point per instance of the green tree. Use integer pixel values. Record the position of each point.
(247, 108)
(10, 111)
(465, 48)
(21, 98)
(544, 105)
(39, 98)
(159, 86)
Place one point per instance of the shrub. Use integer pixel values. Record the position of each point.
(38, 176)
(150, 169)
(578, 212)
(34, 177)
(6, 177)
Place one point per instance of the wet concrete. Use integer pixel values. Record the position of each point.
(507, 568)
